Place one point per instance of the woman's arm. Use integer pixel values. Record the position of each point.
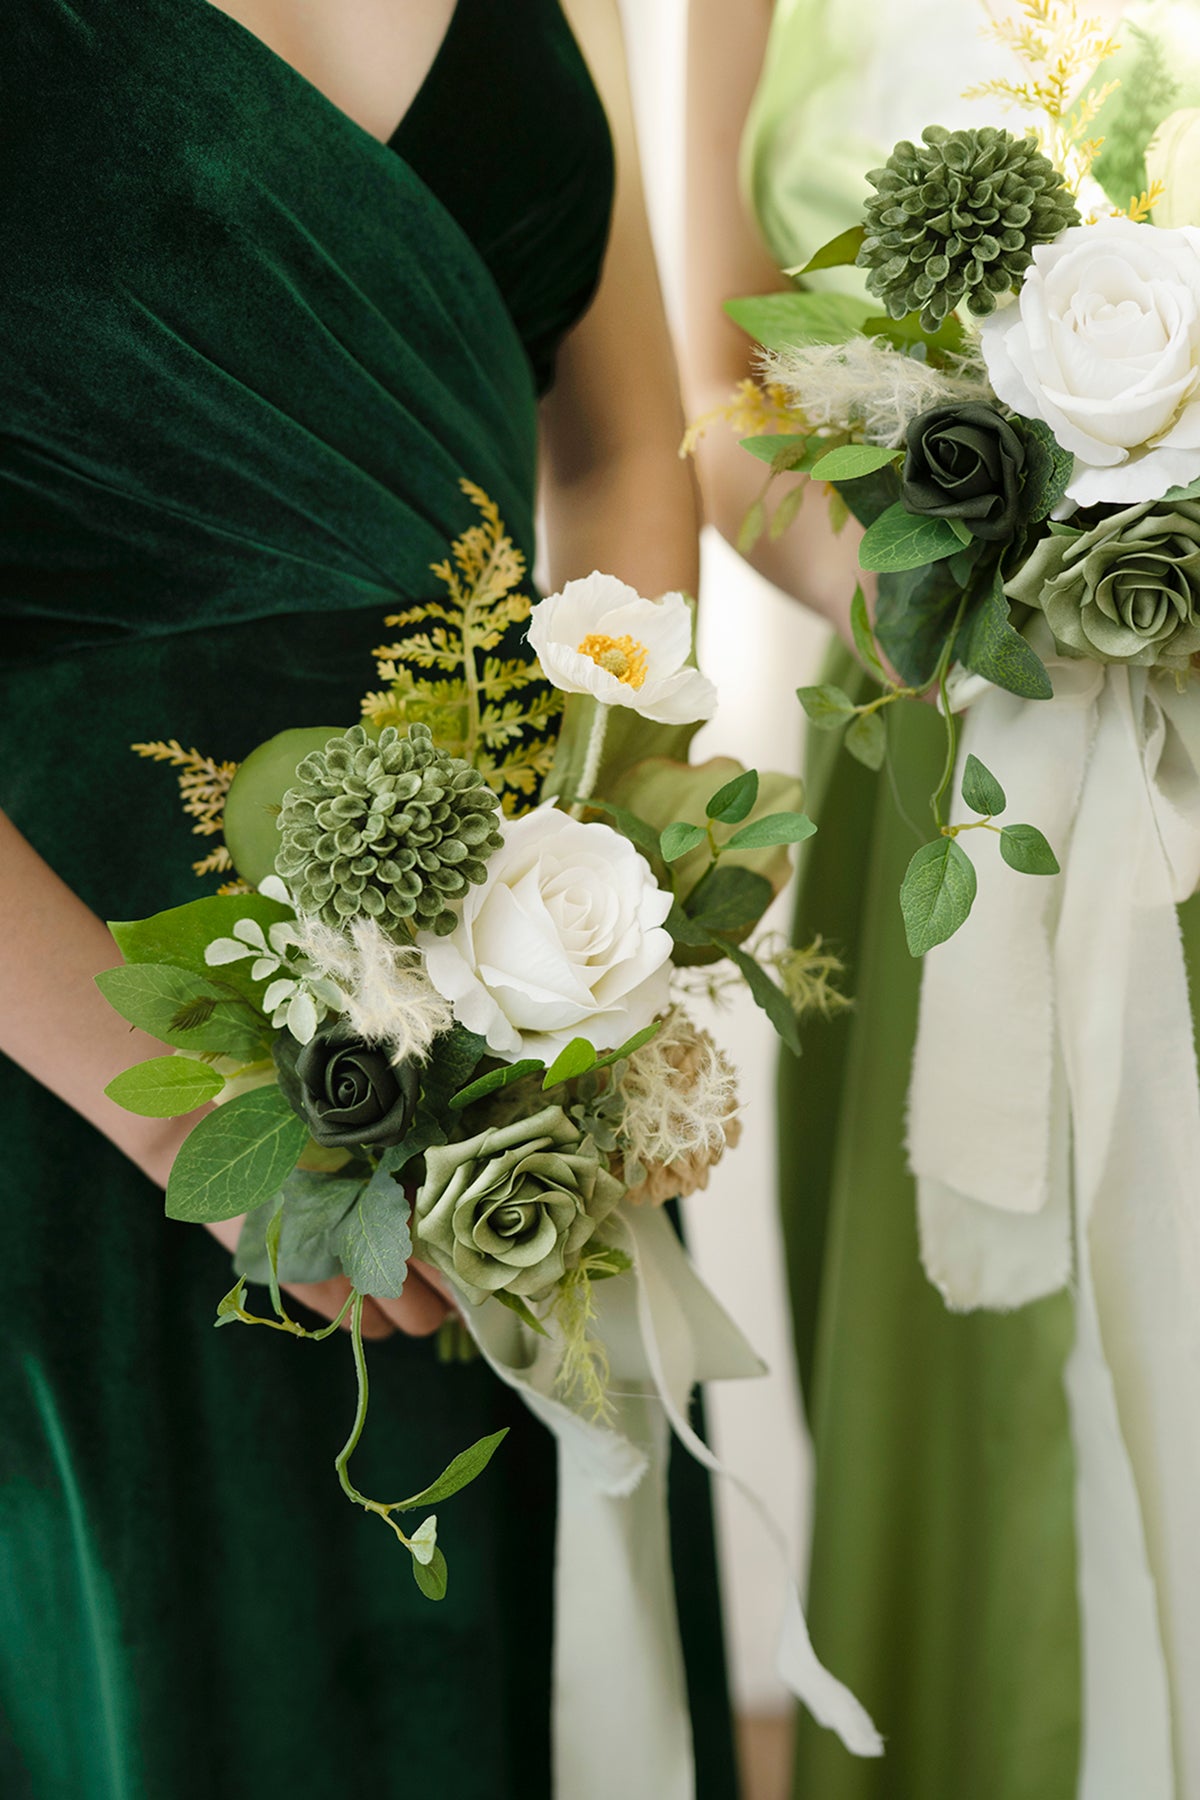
(614, 492)
(726, 258)
(56, 1024)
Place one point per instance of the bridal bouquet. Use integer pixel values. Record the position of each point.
(1014, 417)
(441, 1009)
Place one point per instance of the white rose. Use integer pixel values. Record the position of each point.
(564, 939)
(601, 637)
(1104, 345)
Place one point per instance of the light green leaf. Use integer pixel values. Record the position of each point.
(772, 999)
(786, 511)
(237, 1157)
(373, 1241)
(864, 635)
(776, 828)
(629, 1046)
(431, 1579)
(495, 1080)
(467, 1465)
(981, 791)
(181, 935)
(679, 839)
(828, 708)
(228, 1308)
(785, 321)
(256, 795)
(937, 894)
(1025, 849)
(783, 450)
(734, 802)
(576, 1059)
(908, 333)
(752, 528)
(185, 1009)
(527, 1316)
(423, 1542)
(165, 1087)
(866, 740)
(851, 461)
(960, 531)
(839, 253)
(664, 792)
(902, 540)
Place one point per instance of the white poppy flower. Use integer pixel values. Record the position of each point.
(1104, 345)
(564, 939)
(600, 637)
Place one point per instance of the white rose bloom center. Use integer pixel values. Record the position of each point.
(563, 940)
(1104, 346)
(602, 638)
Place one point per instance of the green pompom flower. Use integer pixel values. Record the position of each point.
(392, 827)
(957, 217)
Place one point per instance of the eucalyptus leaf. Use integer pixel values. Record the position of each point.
(766, 994)
(495, 1079)
(776, 828)
(235, 1158)
(866, 740)
(788, 320)
(310, 1209)
(576, 1059)
(373, 1241)
(864, 636)
(735, 800)
(827, 707)
(467, 1465)
(679, 839)
(431, 1577)
(937, 894)
(165, 1087)
(1025, 849)
(850, 461)
(981, 791)
(902, 540)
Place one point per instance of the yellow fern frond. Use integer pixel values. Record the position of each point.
(1142, 205)
(754, 409)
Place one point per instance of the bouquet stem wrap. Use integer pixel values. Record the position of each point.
(617, 1651)
(1054, 1130)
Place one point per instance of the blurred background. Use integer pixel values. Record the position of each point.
(758, 646)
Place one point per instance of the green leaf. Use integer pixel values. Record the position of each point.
(373, 1241)
(1048, 469)
(496, 1079)
(783, 450)
(866, 740)
(679, 839)
(864, 636)
(578, 1057)
(776, 828)
(838, 253)
(908, 333)
(431, 1577)
(165, 1087)
(455, 1056)
(981, 791)
(851, 461)
(603, 1264)
(752, 528)
(527, 1316)
(310, 1211)
(629, 1046)
(1025, 849)
(914, 614)
(236, 1158)
(687, 931)
(772, 999)
(181, 935)
(786, 511)
(256, 795)
(867, 497)
(937, 894)
(960, 531)
(729, 898)
(828, 708)
(785, 321)
(734, 802)
(902, 540)
(155, 996)
(990, 647)
(467, 1465)
(642, 835)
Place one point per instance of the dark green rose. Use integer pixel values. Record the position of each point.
(965, 463)
(513, 1207)
(347, 1092)
(1126, 591)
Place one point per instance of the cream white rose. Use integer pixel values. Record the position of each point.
(564, 939)
(1104, 345)
(601, 637)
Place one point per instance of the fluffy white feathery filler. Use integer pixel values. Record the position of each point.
(867, 386)
(386, 995)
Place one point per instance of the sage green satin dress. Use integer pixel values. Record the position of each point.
(248, 354)
(943, 1557)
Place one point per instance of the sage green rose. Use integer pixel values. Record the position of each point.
(1127, 591)
(513, 1207)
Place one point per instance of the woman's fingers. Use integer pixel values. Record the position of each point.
(421, 1307)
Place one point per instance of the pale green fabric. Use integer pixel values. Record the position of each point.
(943, 1566)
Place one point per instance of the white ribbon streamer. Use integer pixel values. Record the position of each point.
(1054, 1122)
(617, 1655)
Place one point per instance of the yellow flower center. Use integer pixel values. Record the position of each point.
(623, 657)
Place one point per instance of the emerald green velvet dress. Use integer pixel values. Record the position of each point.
(943, 1586)
(248, 354)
